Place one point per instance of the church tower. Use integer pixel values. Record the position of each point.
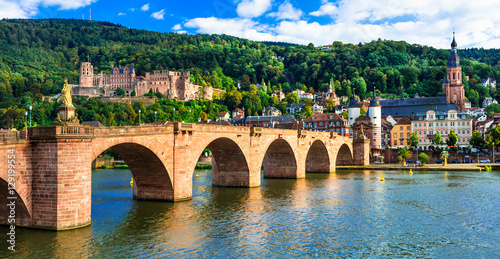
(375, 113)
(354, 110)
(452, 86)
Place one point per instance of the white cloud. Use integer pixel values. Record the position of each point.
(177, 27)
(327, 9)
(158, 15)
(30, 8)
(423, 22)
(286, 11)
(132, 9)
(145, 7)
(253, 8)
(120, 13)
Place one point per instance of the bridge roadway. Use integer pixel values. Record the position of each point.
(53, 164)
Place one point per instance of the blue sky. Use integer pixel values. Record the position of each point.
(321, 22)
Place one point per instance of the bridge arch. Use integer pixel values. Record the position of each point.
(22, 214)
(229, 163)
(318, 159)
(344, 155)
(151, 178)
(279, 160)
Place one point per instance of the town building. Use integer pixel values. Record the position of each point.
(294, 108)
(489, 82)
(238, 113)
(400, 133)
(488, 100)
(316, 108)
(271, 111)
(223, 116)
(327, 122)
(278, 94)
(426, 126)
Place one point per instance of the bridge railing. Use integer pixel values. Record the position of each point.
(8, 135)
(60, 131)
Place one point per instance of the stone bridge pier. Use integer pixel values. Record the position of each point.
(53, 164)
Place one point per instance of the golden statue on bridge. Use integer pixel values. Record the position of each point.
(66, 115)
(67, 93)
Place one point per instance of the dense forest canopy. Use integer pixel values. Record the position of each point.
(35, 56)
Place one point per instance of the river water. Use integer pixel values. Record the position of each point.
(347, 214)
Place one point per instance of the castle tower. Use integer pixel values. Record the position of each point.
(375, 113)
(452, 86)
(353, 110)
(86, 75)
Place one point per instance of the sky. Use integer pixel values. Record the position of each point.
(321, 22)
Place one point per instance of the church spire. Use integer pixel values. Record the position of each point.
(454, 60)
(453, 43)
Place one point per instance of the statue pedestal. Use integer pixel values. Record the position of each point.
(66, 116)
(66, 113)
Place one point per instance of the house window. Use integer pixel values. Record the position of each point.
(401, 128)
(400, 135)
(467, 123)
(395, 135)
(408, 128)
(395, 142)
(401, 142)
(430, 124)
(424, 124)
(407, 135)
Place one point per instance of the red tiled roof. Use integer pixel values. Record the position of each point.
(323, 117)
(221, 114)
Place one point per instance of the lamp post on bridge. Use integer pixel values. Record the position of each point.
(155, 116)
(25, 119)
(189, 115)
(31, 107)
(139, 117)
(174, 114)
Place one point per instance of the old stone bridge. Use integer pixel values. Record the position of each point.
(50, 167)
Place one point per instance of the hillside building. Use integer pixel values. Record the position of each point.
(172, 84)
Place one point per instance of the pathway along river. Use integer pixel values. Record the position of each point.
(346, 214)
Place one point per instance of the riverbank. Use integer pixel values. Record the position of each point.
(427, 167)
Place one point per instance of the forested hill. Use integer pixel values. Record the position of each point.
(36, 54)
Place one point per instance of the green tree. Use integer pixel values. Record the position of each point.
(344, 115)
(203, 116)
(445, 155)
(292, 98)
(477, 140)
(436, 140)
(413, 140)
(493, 137)
(330, 104)
(120, 91)
(452, 139)
(423, 157)
(405, 153)
(492, 108)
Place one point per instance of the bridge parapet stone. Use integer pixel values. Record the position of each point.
(64, 132)
(183, 127)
